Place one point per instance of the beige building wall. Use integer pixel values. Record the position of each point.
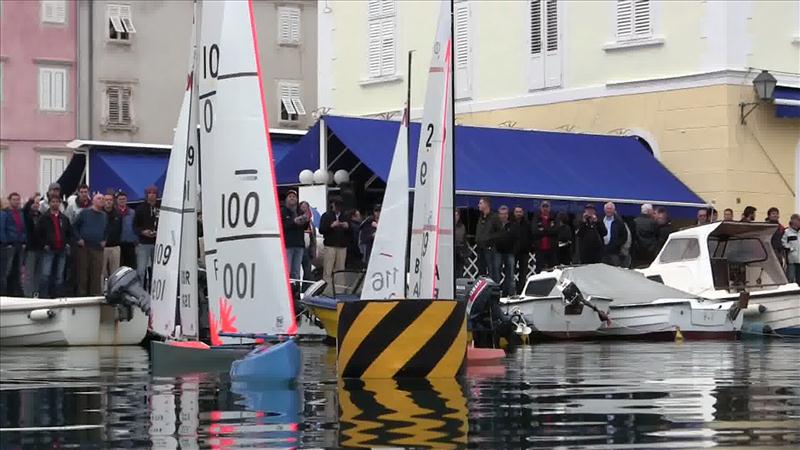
(679, 88)
(695, 132)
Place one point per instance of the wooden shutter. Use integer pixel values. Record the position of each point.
(536, 56)
(624, 19)
(294, 22)
(125, 106)
(285, 93)
(463, 51)
(381, 41)
(126, 17)
(45, 88)
(641, 18)
(552, 59)
(297, 100)
(113, 104)
(288, 25)
(54, 11)
(113, 12)
(58, 89)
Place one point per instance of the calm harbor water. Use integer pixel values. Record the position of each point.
(575, 395)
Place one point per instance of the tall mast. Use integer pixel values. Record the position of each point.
(453, 125)
(408, 144)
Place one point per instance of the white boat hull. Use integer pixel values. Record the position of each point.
(781, 311)
(550, 316)
(663, 318)
(67, 322)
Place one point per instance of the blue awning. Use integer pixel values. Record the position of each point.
(787, 101)
(304, 155)
(530, 164)
(130, 171)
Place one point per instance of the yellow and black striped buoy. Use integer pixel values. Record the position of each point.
(427, 413)
(401, 338)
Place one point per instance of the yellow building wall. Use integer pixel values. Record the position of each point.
(696, 133)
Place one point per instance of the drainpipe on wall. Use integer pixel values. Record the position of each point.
(91, 72)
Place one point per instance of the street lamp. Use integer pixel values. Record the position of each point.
(764, 85)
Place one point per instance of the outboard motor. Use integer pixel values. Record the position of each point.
(575, 301)
(485, 318)
(123, 288)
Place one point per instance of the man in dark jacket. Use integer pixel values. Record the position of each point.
(774, 217)
(646, 239)
(615, 237)
(589, 234)
(366, 235)
(128, 238)
(145, 223)
(90, 229)
(111, 252)
(505, 249)
(335, 228)
(523, 242)
(486, 233)
(545, 238)
(12, 247)
(33, 247)
(294, 225)
(55, 234)
(663, 228)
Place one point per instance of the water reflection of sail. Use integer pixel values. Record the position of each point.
(189, 413)
(419, 412)
(163, 421)
(175, 424)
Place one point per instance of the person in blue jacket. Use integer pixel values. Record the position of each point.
(12, 244)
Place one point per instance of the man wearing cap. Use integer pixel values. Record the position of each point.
(335, 227)
(589, 235)
(294, 225)
(145, 223)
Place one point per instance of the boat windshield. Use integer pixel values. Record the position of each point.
(738, 251)
(347, 283)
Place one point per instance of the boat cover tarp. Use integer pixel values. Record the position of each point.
(621, 285)
(525, 163)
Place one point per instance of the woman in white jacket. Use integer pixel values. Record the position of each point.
(791, 242)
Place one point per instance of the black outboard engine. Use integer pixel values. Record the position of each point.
(124, 289)
(485, 318)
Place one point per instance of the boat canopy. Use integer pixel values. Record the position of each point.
(621, 285)
(517, 164)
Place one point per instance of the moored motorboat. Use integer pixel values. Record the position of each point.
(68, 322)
(722, 260)
(182, 357)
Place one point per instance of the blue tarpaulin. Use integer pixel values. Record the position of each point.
(534, 164)
(787, 101)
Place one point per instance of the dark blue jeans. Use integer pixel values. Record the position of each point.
(51, 282)
(490, 263)
(11, 269)
(508, 262)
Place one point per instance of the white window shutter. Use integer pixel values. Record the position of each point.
(114, 17)
(295, 24)
(374, 9)
(45, 86)
(284, 27)
(536, 41)
(297, 100)
(285, 90)
(60, 11)
(388, 51)
(374, 48)
(125, 106)
(126, 17)
(463, 51)
(624, 19)
(59, 89)
(45, 171)
(552, 60)
(641, 18)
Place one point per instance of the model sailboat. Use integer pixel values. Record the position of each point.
(249, 294)
(426, 337)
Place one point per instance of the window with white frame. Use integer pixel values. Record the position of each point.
(288, 25)
(51, 166)
(54, 11)
(463, 50)
(118, 107)
(382, 39)
(633, 19)
(1, 81)
(544, 40)
(52, 88)
(290, 96)
(120, 22)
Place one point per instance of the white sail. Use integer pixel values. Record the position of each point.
(250, 258)
(207, 71)
(431, 161)
(446, 257)
(387, 263)
(174, 273)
